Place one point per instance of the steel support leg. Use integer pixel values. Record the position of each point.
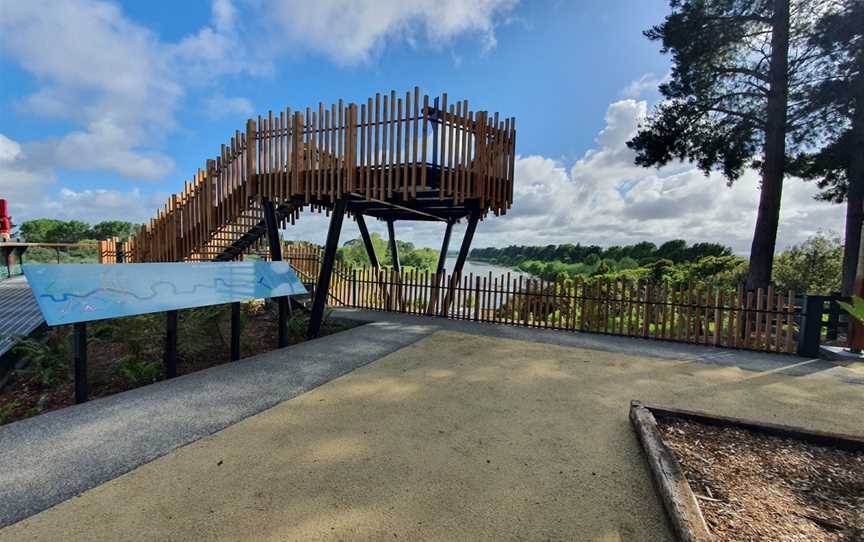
(394, 249)
(367, 240)
(170, 358)
(276, 256)
(322, 288)
(79, 344)
(440, 270)
(460, 260)
(235, 331)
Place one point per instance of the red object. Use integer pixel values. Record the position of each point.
(5, 219)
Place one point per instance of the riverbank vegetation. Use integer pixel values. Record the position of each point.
(353, 254)
(813, 266)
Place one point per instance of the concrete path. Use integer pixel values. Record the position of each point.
(465, 436)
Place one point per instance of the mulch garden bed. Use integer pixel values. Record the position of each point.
(727, 479)
(127, 353)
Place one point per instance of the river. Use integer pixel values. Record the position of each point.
(483, 268)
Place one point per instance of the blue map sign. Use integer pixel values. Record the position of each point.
(69, 293)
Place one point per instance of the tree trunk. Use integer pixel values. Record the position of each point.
(855, 196)
(854, 221)
(768, 217)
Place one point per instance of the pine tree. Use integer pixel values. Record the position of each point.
(836, 107)
(735, 95)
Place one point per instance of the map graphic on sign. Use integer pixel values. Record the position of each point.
(69, 293)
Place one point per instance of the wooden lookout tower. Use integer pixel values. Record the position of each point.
(394, 157)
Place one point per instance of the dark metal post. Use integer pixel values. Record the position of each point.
(79, 348)
(833, 316)
(367, 240)
(57, 250)
(466, 242)
(121, 252)
(394, 249)
(8, 257)
(272, 231)
(445, 246)
(460, 260)
(322, 288)
(170, 360)
(811, 326)
(284, 308)
(235, 331)
(276, 256)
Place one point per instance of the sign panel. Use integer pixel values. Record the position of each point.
(69, 293)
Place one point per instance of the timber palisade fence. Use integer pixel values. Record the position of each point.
(764, 320)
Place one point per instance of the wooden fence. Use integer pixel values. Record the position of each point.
(764, 320)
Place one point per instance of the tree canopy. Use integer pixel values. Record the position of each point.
(49, 230)
(835, 159)
(353, 254)
(741, 70)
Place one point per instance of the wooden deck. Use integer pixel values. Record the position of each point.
(19, 313)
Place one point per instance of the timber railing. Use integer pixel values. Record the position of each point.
(14, 254)
(390, 145)
(764, 320)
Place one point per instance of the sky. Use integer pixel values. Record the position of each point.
(107, 107)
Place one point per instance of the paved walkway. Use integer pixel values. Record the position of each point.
(19, 313)
(489, 433)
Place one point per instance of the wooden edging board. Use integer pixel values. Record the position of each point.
(678, 499)
(840, 441)
(681, 506)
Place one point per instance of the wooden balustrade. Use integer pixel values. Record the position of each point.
(699, 314)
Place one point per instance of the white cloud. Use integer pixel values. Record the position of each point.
(120, 86)
(648, 83)
(351, 31)
(100, 71)
(605, 199)
(21, 181)
(220, 105)
(94, 206)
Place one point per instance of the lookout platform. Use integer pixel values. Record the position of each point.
(392, 158)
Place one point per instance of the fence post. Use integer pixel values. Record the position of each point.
(811, 325)
(477, 300)
(833, 316)
(353, 286)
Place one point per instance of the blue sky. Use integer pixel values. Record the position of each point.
(108, 106)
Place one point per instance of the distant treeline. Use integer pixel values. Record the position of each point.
(640, 254)
(51, 230)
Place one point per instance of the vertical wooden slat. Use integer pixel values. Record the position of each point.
(790, 320)
(758, 316)
(425, 138)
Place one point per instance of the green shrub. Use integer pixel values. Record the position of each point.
(6, 411)
(48, 358)
(197, 328)
(139, 373)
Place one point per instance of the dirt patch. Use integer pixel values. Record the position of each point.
(754, 487)
(126, 353)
